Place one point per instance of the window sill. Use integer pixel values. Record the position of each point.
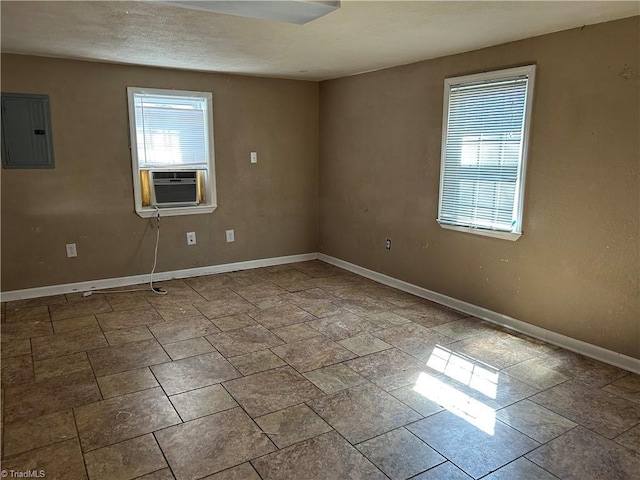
(486, 233)
(148, 212)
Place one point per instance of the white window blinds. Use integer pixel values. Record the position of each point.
(485, 126)
(171, 130)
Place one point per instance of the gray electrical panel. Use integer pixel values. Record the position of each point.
(26, 131)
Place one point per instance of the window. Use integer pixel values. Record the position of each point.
(172, 151)
(484, 148)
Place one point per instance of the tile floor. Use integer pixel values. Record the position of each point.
(300, 372)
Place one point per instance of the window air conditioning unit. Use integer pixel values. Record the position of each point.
(174, 189)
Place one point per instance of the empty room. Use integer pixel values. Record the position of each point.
(320, 240)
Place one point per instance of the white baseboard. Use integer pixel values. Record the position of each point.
(157, 277)
(578, 346)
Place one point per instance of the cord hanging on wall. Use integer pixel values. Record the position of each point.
(157, 290)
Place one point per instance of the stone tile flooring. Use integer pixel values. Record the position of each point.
(300, 372)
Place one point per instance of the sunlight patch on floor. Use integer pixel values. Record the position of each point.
(483, 379)
(466, 371)
(457, 402)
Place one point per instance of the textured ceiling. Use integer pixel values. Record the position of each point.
(358, 37)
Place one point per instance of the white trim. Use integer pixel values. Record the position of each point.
(479, 231)
(211, 195)
(157, 277)
(593, 351)
(528, 71)
(148, 212)
(587, 349)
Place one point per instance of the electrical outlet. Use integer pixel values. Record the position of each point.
(72, 251)
(388, 244)
(230, 236)
(254, 157)
(191, 238)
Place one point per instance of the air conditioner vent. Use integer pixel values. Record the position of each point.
(174, 188)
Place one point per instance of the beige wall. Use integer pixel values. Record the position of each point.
(88, 197)
(576, 269)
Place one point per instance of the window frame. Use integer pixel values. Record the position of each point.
(210, 191)
(479, 78)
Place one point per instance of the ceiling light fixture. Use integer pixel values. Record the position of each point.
(288, 11)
